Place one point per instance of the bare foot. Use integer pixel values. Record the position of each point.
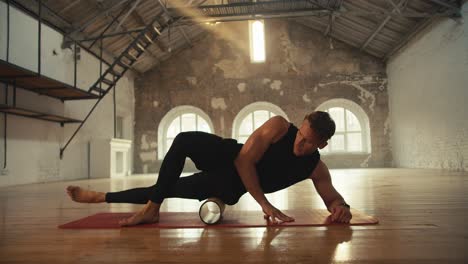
(81, 195)
(148, 215)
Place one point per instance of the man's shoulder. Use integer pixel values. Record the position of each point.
(279, 127)
(280, 121)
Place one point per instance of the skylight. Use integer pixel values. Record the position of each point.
(257, 41)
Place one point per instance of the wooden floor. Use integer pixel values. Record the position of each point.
(423, 219)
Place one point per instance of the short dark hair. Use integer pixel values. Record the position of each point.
(322, 124)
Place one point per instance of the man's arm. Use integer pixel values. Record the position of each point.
(332, 199)
(252, 151)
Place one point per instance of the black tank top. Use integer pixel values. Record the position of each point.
(279, 168)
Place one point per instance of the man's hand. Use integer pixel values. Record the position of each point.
(275, 216)
(333, 200)
(341, 214)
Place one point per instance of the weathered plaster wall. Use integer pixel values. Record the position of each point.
(302, 70)
(428, 84)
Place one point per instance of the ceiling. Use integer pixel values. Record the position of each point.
(377, 27)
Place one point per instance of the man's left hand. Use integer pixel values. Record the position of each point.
(341, 214)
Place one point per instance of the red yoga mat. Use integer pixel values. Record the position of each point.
(311, 217)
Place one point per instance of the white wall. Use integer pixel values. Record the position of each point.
(23, 50)
(99, 126)
(33, 146)
(428, 92)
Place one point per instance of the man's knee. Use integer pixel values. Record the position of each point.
(181, 140)
(181, 137)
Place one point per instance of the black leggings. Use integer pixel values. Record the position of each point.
(210, 153)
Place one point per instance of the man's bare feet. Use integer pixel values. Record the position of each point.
(81, 195)
(148, 215)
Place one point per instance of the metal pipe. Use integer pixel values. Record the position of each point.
(8, 32)
(110, 35)
(75, 70)
(100, 69)
(5, 129)
(39, 37)
(14, 93)
(6, 93)
(78, 129)
(115, 125)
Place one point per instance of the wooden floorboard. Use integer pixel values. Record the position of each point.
(423, 219)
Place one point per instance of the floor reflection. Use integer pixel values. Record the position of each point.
(270, 244)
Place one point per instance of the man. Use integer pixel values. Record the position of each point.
(276, 156)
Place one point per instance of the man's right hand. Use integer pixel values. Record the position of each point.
(275, 216)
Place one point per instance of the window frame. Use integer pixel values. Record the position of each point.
(170, 116)
(362, 118)
(250, 109)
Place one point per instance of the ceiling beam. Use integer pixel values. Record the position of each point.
(407, 14)
(181, 30)
(330, 25)
(396, 8)
(456, 10)
(445, 4)
(126, 15)
(70, 5)
(103, 11)
(187, 39)
(282, 9)
(101, 7)
(418, 28)
(108, 26)
(60, 24)
(112, 34)
(130, 37)
(331, 20)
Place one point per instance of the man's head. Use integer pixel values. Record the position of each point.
(316, 129)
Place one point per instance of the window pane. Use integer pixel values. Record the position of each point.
(246, 126)
(337, 113)
(260, 117)
(203, 125)
(242, 139)
(352, 122)
(354, 141)
(174, 128)
(188, 122)
(337, 143)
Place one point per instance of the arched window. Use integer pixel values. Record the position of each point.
(252, 117)
(352, 127)
(181, 119)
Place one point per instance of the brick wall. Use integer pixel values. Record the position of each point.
(302, 70)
